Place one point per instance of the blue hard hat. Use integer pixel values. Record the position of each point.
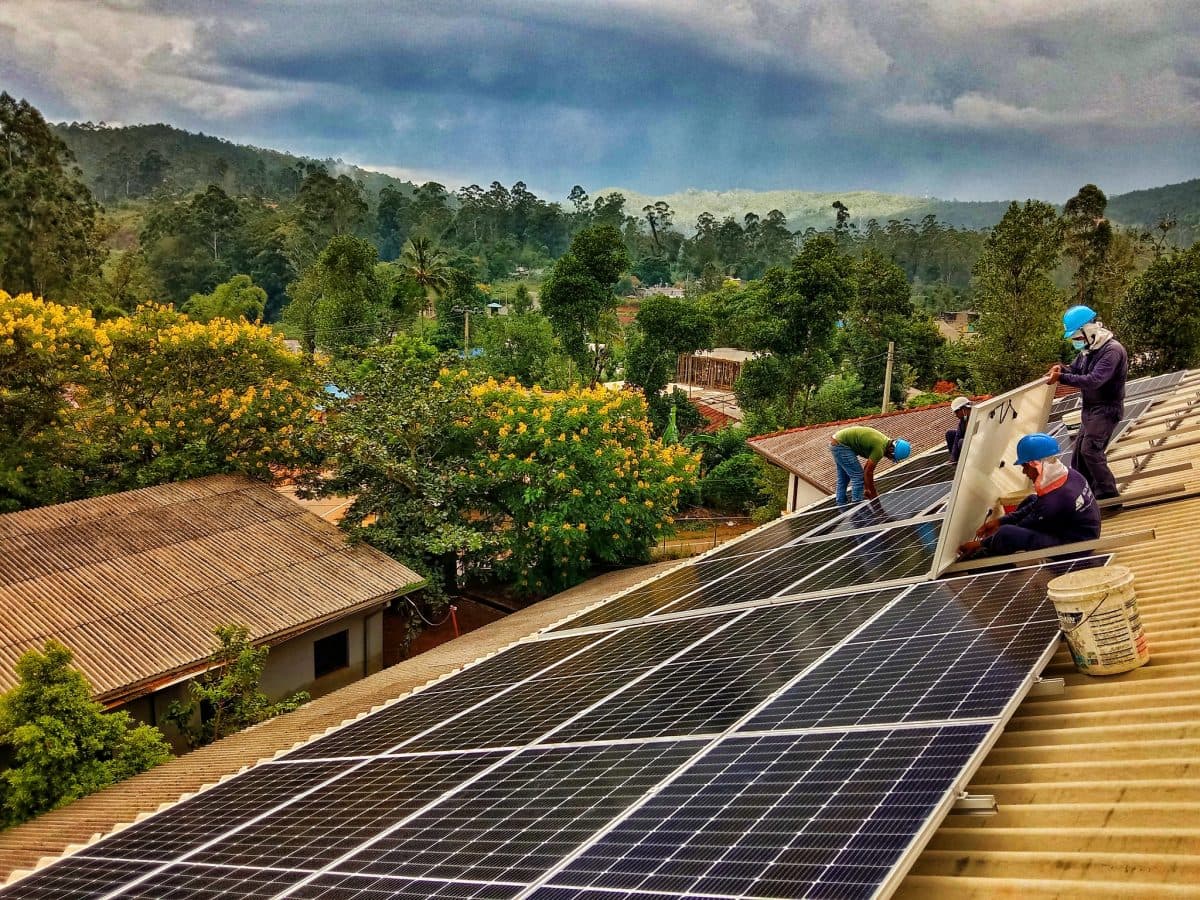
(900, 449)
(1036, 446)
(1075, 318)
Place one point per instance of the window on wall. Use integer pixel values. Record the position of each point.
(331, 653)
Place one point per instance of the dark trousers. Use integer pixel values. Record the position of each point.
(1015, 539)
(1089, 457)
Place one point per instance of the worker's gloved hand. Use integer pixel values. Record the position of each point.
(870, 495)
(969, 549)
(1053, 375)
(990, 527)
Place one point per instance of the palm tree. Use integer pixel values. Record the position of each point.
(426, 265)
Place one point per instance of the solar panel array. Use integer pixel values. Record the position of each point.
(782, 718)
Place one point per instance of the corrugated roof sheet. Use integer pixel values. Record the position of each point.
(1099, 789)
(805, 452)
(135, 583)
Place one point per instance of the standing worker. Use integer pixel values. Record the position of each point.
(1061, 509)
(961, 407)
(872, 445)
(1099, 371)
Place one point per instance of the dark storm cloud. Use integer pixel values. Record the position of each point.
(974, 98)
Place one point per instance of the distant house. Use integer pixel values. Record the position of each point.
(715, 369)
(134, 583)
(662, 290)
(804, 452)
(957, 326)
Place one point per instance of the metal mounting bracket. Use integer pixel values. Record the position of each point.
(1048, 687)
(974, 805)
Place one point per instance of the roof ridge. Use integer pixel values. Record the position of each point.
(873, 416)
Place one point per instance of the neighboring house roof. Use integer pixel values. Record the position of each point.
(134, 583)
(715, 419)
(805, 452)
(1098, 789)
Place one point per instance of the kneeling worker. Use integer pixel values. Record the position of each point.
(848, 445)
(1061, 510)
(961, 407)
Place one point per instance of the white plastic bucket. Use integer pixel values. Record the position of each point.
(1098, 612)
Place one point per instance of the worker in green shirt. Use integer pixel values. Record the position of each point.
(872, 445)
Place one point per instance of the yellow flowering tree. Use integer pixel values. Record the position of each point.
(163, 398)
(569, 479)
(42, 350)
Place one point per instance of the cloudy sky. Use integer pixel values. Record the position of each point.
(974, 99)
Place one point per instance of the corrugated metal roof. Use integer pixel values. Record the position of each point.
(135, 583)
(1099, 789)
(805, 452)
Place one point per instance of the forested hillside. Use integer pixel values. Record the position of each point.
(134, 161)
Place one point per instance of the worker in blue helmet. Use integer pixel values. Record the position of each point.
(855, 479)
(1099, 371)
(1061, 509)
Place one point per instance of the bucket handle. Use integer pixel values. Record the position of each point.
(1082, 621)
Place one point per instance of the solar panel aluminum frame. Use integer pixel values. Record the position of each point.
(934, 821)
(985, 470)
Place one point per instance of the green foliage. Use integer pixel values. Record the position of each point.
(1159, 320)
(664, 328)
(59, 743)
(238, 298)
(927, 399)
(792, 316)
(522, 346)
(336, 303)
(838, 398)
(228, 697)
(545, 484)
(578, 296)
(1019, 306)
(50, 239)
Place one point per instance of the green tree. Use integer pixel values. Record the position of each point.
(521, 346)
(228, 697)
(59, 743)
(1104, 258)
(1159, 319)
(664, 328)
(790, 316)
(50, 237)
(425, 264)
(238, 298)
(1018, 303)
(335, 304)
(578, 297)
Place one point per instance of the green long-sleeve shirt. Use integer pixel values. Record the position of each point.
(868, 443)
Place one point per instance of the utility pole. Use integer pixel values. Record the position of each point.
(887, 376)
(467, 339)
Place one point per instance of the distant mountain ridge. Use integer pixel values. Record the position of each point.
(814, 209)
(196, 160)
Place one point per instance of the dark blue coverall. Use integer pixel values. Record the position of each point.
(1100, 377)
(1065, 515)
(954, 439)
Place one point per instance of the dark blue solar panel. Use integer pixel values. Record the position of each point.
(812, 815)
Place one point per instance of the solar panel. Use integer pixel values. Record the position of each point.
(809, 815)
(896, 554)
(370, 887)
(777, 534)
(714, 684)
(889, 508)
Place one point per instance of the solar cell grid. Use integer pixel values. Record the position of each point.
(766, 577)
(719, 681)
(926, 677)
(887, 508)
(191, 882)
(516, 822)
(78, 877)
(373, 887)
(223, 806)
(812, 815)
(898, 553)
(316, 829)
(776, 534)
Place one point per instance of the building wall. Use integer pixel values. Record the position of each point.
(289, 668)
(801, 493)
